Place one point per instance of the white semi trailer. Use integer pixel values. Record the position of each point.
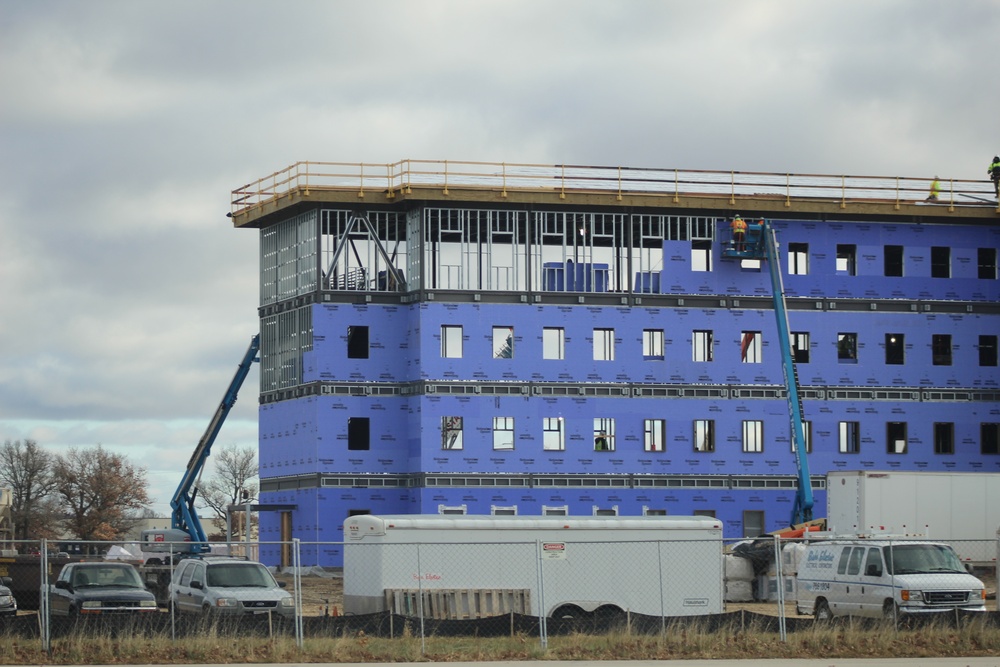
(960, 508)
(470, 566)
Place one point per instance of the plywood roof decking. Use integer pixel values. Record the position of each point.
(268, 211)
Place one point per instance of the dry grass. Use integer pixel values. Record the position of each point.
(690, 642)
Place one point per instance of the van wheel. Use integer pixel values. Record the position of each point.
(822, 611)
(890, 611)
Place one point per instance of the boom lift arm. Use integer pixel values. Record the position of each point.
(761, 244)
(184, 522)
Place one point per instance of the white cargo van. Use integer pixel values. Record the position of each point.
(883, 578)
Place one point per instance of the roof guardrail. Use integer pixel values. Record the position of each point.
(503, 177)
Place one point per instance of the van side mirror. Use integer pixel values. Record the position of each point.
(874, 570)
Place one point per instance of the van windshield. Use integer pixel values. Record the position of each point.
(921, 558)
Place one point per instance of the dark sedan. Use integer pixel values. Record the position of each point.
(99, 588)
(8, 605)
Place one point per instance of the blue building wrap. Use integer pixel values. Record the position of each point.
(665, 390)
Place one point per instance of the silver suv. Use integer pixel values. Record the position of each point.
(228, 586)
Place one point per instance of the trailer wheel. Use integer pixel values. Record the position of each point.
(822, 611)
(610, 615)
(570, 612)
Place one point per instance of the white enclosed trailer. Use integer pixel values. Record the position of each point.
(559, 566)
(961, 508)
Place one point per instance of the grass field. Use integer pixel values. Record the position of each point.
(838, 640)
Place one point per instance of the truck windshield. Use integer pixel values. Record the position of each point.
(234, 575)
(921, 558)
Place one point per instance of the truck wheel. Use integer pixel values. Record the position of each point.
(822, 611)
(569, 612)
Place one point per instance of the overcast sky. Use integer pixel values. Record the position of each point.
(127, 296)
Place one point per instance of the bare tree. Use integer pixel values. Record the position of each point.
(235, 468)
(101, 492)
(26, 469)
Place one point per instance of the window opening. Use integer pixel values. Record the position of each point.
(847, 260)
(503, 342)
(555, 511)
(798, 259)
(358, 433)
(987, 263)
(701, 346)
(896, 437)
(940, 262)
(649, 511)
(604, 435)
(893, 257)
(451, 433)
(989, 438)
(654, 434)
(807, 435)
(553, 437)
(704, 435)
(701, 255)
(944, 438)
(894, 349)
(443, 509)
(800, 347)
(451, 341)
(988, 350)
(709, 513)
(850, 438)
(750, 347)
(941, 349)
(503, 433)
(606, 512)
(553, 343)
(847, 348)
(753, 436)
(604, 344)
(652, 344)
(504, 511)
(753, 523)
(357, 342)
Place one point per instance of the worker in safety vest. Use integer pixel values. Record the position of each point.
(935, 189)
(739, 229)
(994, 171)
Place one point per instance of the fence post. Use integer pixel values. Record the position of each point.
(170, 598)
(659, 567)
(297, 588)
(543, 629)
(420, 602)
(780, 583)
(44, 617)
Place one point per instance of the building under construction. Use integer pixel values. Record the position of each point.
(486, 338)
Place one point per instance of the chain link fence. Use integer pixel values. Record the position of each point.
(528, 588)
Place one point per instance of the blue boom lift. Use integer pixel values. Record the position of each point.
(761, 244)
(184, 523)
